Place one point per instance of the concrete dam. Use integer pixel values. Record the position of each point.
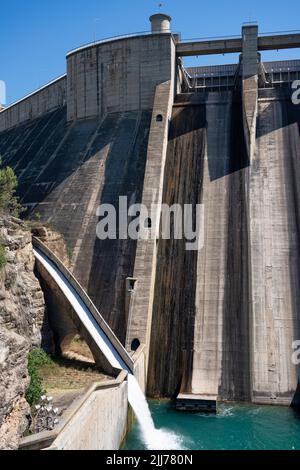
(129, 119)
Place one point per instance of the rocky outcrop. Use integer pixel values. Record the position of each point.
(22, 325)
(54, 241)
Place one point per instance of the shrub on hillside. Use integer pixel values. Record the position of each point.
(2, 256)
(37, 358)
(9, 203)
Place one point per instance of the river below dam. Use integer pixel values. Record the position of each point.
(235, 427)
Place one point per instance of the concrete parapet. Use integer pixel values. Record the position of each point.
(103, 403)
(38, 103)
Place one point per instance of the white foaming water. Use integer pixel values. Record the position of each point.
(155, 439)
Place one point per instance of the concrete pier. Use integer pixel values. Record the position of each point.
(250, 85)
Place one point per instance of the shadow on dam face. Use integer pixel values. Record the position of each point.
(113, 260)
(171, 349)
(235, 363)
(181, 309)
(220, 166)
(289, 117)
(65, 172)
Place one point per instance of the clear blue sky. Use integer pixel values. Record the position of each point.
(36, 34)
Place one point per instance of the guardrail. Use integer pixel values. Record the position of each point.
(212, 38)
(118, 38)
(279, 33)
(238, 36)
(39, 245)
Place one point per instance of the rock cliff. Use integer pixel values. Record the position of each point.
(22, 324)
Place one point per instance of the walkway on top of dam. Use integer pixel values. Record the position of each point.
(234, 44)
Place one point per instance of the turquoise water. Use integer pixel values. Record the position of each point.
(235, 427)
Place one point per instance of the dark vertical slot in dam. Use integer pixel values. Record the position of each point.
(235, 368)
(171, 349)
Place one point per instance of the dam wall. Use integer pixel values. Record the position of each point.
(173, 309)
(93, 150)
(118, 75)
(228, 330)
(200, 329)
(217, 322)
(65, 173)
(38, 103)
(274, 232)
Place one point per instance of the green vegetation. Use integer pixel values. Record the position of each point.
(2, 256)
(37, 216)
(9, 203)
(37, 358)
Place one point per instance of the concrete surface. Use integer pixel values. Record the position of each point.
(218, 322)
(118, 76)
(99, 424)
(274, 238)
(36, 104)
(140, 315)
(65, 173)
(97, 420)
(63, 295)
(235, 45)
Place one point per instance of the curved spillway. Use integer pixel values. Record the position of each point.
(108, 344)
(83, 312)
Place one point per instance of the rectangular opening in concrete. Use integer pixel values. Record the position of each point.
(190, 402)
